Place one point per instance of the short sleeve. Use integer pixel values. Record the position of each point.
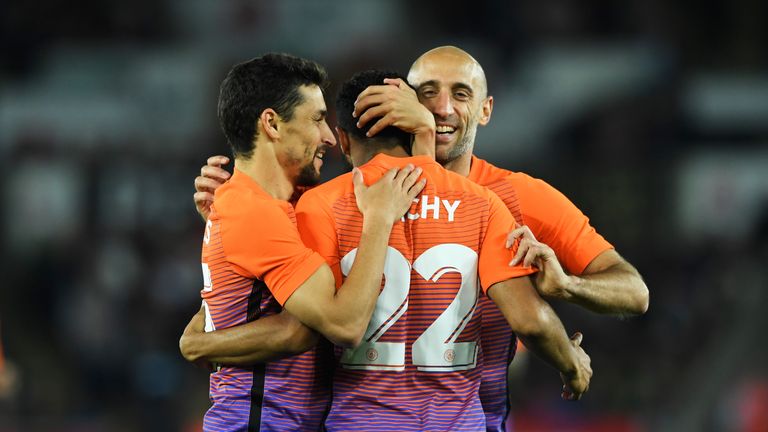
(317, 228)
(494, 256)
(261, 241)
(558, 223)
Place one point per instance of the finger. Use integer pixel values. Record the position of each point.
(531, 256)
(396, 82)
(370, 96)
(570, 395)
(367, 104)
(383, 122)
(522, 249)
(203, 199)
(217, 160)
(412, 178)
(389, 175)
(205, 184)
(513, 235)
(416, 189)
(527, 232)
(371, 90)
(522, 232)
(577, 338)
(215, 173)
(373, 112)
(566, 393)
(402, 174)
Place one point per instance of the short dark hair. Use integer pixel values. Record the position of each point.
(269, 81)
(345, 105)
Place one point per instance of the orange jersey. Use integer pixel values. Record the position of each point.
(417, 367)
(253, 260)
(552, 217)
(555, 221)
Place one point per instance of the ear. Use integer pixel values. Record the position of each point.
(268, 123)
(487, 108)
(343, 141)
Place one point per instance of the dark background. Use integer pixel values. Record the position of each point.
(652, 116)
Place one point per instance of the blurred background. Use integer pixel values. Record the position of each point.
(651, 116)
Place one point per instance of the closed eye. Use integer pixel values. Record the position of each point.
(428, 92)
(462, 95)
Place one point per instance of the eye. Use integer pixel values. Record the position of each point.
(462, 95)
(428, 93)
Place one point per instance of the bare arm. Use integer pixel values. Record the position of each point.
(265, 339)
(537, 325)
(609, 284)
(342, 315)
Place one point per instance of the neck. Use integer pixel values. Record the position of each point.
(461, 165)
(364, 155)
(264, 168)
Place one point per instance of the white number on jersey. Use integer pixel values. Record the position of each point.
(435, 350)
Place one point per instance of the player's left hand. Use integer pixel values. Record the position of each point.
(397, 105)
(390, 196)
(551, 280)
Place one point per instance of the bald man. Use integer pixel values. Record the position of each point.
(576, 263)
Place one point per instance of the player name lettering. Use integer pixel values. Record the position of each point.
(433, 206)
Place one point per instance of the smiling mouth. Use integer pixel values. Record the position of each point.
(445, 129)
(318, 159)
(444, 134)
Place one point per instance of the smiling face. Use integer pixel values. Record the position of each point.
(451, 84)
(305, 138)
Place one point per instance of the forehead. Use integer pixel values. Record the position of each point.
(447, 69)
(313, 100)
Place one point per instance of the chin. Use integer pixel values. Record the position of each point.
(308, 178)
(442, 154)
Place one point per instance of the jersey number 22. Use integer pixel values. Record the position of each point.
(436, 349)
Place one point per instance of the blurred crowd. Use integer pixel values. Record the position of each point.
(651, 117)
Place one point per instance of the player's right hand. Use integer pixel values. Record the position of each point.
(551, 280)
(211, 177)
(394, 104)
(575, 384)
(391, 196)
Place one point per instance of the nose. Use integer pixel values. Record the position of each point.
(443, 105)
(329, 139)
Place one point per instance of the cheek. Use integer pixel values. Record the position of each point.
(429, 103)
(471, 114)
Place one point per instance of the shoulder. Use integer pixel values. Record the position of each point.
(449, 185)
(448, 179)
(234, 202)
(521, 183)
(327, 192)
(485, 173)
